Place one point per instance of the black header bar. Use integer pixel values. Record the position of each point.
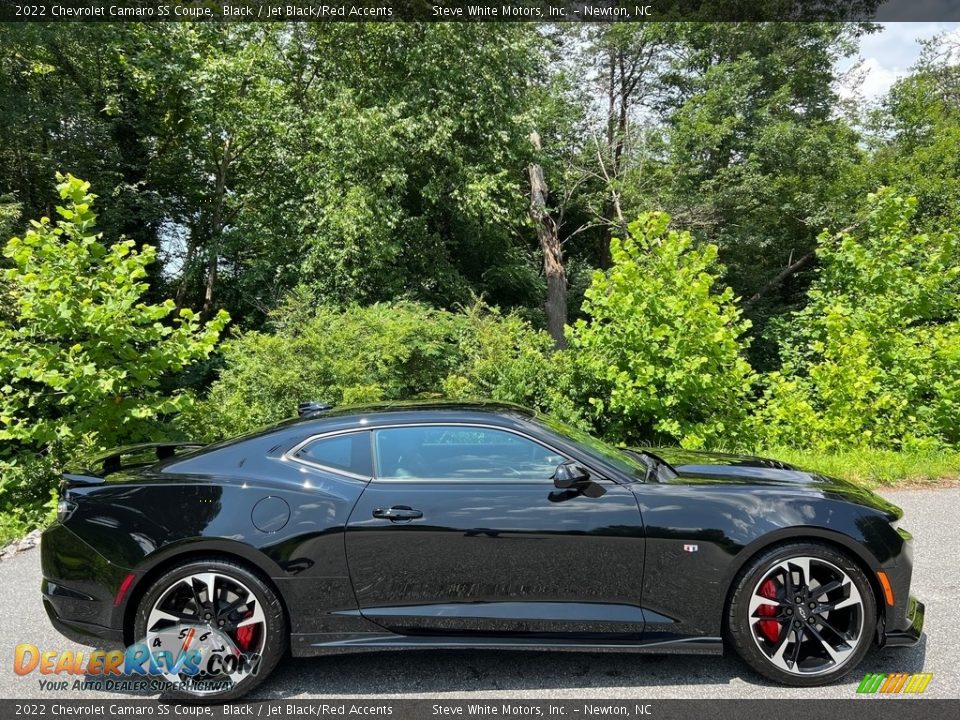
(589, 11)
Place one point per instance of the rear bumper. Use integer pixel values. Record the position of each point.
(910, 634)
(80, 632)
(78, 589)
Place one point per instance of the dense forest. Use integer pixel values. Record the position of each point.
(666, 233)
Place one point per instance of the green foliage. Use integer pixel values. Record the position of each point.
(504, 359)
(397, 351)
(360, 354)
(873, 360)
(661, 353)
(82, 355)
(82, 358)
(27, 494)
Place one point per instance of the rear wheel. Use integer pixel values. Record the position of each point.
(223, 616)
(802, 614)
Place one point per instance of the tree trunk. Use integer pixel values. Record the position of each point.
(556, 305)
(216, 230)
(184, 285)
(791, 269)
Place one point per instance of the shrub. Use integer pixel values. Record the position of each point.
(82, 355)
(343, 356)
(660, 355)
(396, 351)
(873, 360)
(505, 359)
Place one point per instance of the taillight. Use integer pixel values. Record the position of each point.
(65, 509)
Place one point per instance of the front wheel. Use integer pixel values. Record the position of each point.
(802, 614)
(215, 629)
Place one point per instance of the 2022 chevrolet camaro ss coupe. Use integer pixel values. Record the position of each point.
(472, 525)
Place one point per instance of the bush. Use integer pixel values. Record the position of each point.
(395, 351)
(82, 355)
(660, 356)
(341, 356)
(27, 494)
(503, 358)
(873, 360)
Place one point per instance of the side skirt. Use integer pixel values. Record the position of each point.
(310, 645)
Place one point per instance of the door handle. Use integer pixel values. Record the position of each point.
(397, 512)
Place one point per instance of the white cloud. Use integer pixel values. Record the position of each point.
(885, 57)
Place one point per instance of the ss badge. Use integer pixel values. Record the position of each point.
(690, 548)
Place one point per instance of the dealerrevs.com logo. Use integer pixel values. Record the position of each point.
(193, 658)
(892, 683)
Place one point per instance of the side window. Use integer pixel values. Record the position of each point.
(461, 453)
(349, 452)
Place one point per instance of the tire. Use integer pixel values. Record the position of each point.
(765, 621)
(267, 632)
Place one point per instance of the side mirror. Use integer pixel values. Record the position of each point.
(570, 475)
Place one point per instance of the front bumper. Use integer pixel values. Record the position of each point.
(910, 634)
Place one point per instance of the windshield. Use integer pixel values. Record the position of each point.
(629, 463)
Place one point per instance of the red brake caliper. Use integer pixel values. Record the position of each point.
(770, 629)
(245, 637)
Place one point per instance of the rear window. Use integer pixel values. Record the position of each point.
(348, 453)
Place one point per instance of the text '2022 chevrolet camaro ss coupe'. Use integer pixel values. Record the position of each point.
(439, 525)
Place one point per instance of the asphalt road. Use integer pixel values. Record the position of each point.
(931, 515)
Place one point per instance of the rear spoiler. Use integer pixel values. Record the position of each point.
(112, 461)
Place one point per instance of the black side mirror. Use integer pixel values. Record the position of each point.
(570, 475)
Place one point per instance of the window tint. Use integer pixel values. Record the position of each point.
(461, 453)
(350, 452)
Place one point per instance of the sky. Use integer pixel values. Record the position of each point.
(888, 55)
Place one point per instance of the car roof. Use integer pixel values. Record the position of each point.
(413, 406)
(389, 411)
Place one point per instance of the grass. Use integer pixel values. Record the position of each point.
(878, 468)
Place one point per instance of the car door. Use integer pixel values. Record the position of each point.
(462, 532)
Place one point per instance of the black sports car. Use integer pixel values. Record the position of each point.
(472, 525)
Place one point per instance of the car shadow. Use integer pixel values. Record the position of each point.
(430, 672)
(424, 672)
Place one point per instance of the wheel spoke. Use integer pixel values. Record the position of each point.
(803, 565)
(758, 600)
(838, 655)
(795, 657)
(257, 615)
(157, 616)
(208, 582)
(852, 600)
(235, 605)
(828, 588)
(844, 636)
(777, 657)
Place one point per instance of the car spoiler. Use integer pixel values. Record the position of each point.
(113, 461)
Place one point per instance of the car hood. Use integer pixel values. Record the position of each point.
(713, 468)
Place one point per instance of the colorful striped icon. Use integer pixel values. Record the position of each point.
(889, 683)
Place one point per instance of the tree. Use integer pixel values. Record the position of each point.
(83, 357)
(660, 357)
(756, 154)
(872, 359)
